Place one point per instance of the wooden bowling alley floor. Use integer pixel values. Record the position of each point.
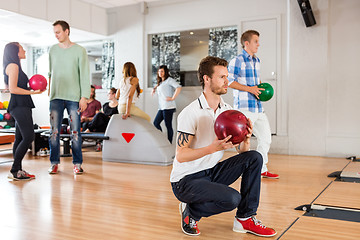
(132, 201)
(310, 228)
(341, 195)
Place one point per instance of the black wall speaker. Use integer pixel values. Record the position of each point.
(307, 13)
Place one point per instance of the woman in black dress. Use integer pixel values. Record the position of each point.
(20, 107)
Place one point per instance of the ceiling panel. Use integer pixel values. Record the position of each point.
(117, 3)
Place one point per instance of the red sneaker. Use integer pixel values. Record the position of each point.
(29, 175)
(268, 174)
(53, 169)
(98, 147)
(78, 169)
(254, 226)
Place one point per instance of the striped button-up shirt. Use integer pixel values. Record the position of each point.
(245, 69)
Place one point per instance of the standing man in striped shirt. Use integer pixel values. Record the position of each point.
(244, 78)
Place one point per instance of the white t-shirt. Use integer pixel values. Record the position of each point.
(198, 119)
(125, 91)
(167, 89)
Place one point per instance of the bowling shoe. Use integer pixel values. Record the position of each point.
(268, 174)
(19, 175)
(32, 176)
(188, 224)
(53, 169)
(78, 169)
(254, 226)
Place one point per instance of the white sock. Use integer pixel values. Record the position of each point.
(243, 219)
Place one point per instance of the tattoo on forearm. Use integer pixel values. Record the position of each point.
(182, 139)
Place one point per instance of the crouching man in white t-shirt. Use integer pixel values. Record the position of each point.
(198, 179)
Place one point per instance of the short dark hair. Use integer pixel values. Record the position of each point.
(206, 67)
(113, 90)
(64, 25)
(247, 35)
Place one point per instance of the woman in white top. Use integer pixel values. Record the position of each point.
(167, 89)
(129, 92)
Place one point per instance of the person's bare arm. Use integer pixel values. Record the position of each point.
(134, 81)
(12, 70)
(117, 96)
(176, 93)
(186, 154)
(254, 90)
(83, 104)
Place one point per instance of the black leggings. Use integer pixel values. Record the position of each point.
(99, 123)
(24, 135)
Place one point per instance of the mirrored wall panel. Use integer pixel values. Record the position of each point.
(182, 51)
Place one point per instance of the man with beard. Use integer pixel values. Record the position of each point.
(198, 178)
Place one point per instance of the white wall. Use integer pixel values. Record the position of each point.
(129, 41)
(318, 91)
(343, 79)
(307, 81)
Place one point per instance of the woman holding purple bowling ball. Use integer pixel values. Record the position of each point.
(20, 107)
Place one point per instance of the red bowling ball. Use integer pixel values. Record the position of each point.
(7, 116)
(38, 82)
(232, 122)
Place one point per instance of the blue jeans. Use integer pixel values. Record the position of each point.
(208, 193)
(57, 107)
(167, 115)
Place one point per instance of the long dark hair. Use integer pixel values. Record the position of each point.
(159, 79)
(11, 55)
(129, 70)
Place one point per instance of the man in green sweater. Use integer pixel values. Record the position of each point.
(69, 80)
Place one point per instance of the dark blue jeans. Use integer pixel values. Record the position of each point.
(57, 107)
(167, 115)
(208, 193)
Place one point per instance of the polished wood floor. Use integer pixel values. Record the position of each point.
(310, 228)
(133, 201)
(342, 195)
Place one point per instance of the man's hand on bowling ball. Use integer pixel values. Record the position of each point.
(256, 91)
(218, 145)
(250, 130)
